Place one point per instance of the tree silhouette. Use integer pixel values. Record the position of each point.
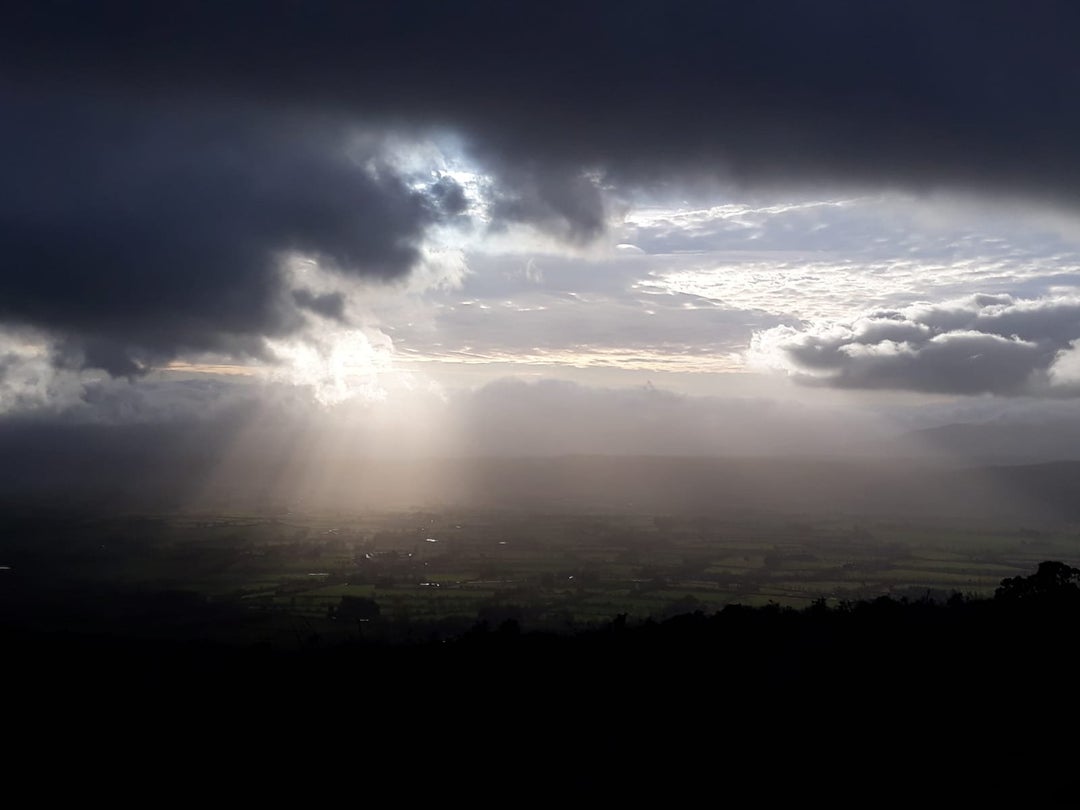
(358, 608)
(1053, 582)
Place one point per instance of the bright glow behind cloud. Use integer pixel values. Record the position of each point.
(336, 364)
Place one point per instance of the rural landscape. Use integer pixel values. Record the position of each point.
(291, 578)
(614, 625)
(547, 401)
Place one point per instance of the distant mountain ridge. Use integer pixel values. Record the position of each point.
(132, 472)
(1000, 442)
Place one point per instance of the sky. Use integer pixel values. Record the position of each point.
(430, 228)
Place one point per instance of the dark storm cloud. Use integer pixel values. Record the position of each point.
(134, 234)
(141, 220)
(983, 344)
(448, 196)
(902, 91)
(329, 305)
(566, 203)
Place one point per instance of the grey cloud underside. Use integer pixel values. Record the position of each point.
(329, 305)
(133, 235)
(557, 199)
(984, 344)
(909, 92)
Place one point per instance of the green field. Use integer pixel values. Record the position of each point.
(544, 570)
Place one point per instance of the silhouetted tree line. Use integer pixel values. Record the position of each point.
(886, 684)
(1024, 623)
(1054, 584)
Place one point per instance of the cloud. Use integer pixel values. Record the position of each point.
(552, 417)
(569, 204)
(900, 92)
(994, 344)
(135, 235)
(579, 311)
(166, 159)
(505, 417)
(831, 259)
(29, 380)
(329, 305)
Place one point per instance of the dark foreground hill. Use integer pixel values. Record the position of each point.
(973, 695)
